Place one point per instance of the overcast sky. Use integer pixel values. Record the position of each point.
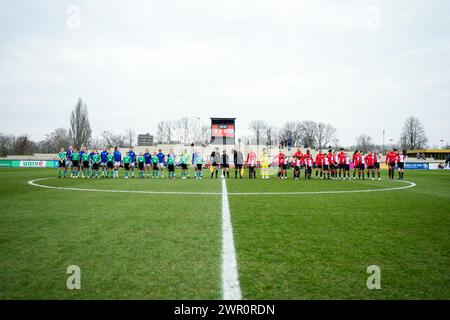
(363, 66)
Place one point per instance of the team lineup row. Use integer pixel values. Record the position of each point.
(330, 165)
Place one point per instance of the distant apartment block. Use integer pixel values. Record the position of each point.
(145, 139)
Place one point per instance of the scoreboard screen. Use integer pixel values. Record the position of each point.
(222, 130)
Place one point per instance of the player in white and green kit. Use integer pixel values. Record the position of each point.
(141, 165)
(198, 161)
(126, 163)
(110, 165)
(75, 163)
(96, 159)
(155, 169)
(184, 159)
(85, 167)
(62, 163)
(171, 166)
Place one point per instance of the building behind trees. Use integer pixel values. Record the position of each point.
(145, 139)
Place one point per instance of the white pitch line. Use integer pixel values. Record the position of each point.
(33, 183)
(409, 185)
(230, 279)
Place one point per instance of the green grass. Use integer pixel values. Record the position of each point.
(148, 246)
(319, 247)
(127, 245)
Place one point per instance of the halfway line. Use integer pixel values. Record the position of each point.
(230, 279)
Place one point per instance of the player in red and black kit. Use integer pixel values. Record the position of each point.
(391, 159)
(369, 159)
(347, 167)
(298, 155)
(357, 160)
(401, 157)
(282, 173)
(326, 167)
(308, 163)
(341, 162)
(319, 163)
(296, 163)
(332, 164)
(376, 162)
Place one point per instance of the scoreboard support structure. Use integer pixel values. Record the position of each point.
(223, 131)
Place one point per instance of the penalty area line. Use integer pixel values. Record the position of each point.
(230, 280)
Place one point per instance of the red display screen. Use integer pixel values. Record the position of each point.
(222, 130)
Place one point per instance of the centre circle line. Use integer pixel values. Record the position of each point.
(35, 184)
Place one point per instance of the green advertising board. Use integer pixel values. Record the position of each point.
(6, 163)
(28, 163)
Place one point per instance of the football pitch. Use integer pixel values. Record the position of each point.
(163, 239)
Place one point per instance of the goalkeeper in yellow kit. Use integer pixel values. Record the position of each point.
(265, 165)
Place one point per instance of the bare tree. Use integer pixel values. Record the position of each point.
(258, 127)
(324, 135)
(18, 145)
(413, 134)
(195, 131)
(168, 131)
(364, 142)
(308, 132)
(54, 141)
(112, 140)
(130, 136)
(269, 135)
(246, 140)
(289, 134)
(6, 144)
(22, 145)
(184, 125)
(160, 131)
(185, 130)
(96, 143)
(80, 128)
(335, 142)
(108, 137)
(206, 134)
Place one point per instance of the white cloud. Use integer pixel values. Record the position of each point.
(364, 66)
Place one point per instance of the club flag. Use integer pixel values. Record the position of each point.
(211, 168)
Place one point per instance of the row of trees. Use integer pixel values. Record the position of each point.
(412, 137)
(184, 130)
(79, 132)
(192, 130)
(110, 139)
(308, 133)
(10, 144)
(293, 134)
(322, 135)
